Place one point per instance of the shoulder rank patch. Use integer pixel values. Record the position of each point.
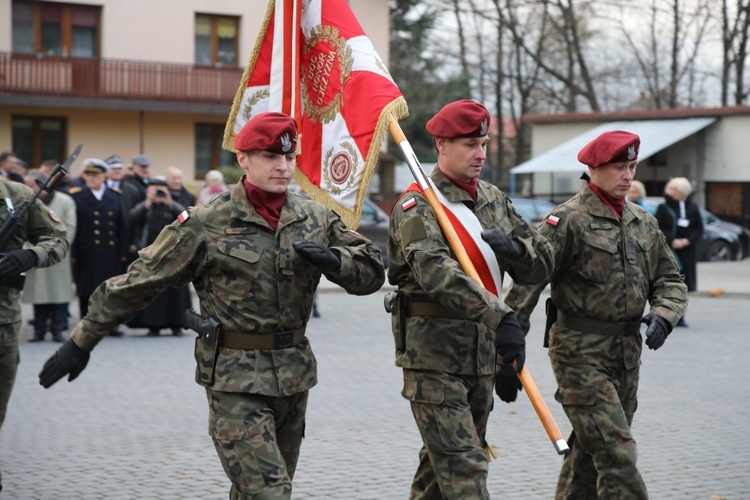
(74, 190)
(552, 220)
(185, 215)
(411, 202)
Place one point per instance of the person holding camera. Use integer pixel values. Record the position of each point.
(147, 219)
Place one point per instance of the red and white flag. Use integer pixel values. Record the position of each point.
(313, 61)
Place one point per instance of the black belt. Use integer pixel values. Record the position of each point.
(255, 341)
(616, 328)
(423, 308)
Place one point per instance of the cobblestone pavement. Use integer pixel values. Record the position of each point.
(134, 425)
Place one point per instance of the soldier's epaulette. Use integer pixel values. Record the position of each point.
(74, 190)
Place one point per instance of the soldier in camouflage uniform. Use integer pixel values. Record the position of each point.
(447, 326)
(610, 259)
(48, 237)
(255, 255)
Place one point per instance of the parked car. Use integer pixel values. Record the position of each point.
(374, 224)
(721, 240)
(532, 210)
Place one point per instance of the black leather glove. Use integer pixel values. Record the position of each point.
(326, 259)
(16, 262)
(510, 341)
(69, 359)
(657, 332)
(503, 245)
(507, 383)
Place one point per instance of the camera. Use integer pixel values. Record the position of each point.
(160, 193)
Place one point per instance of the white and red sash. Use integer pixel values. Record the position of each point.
(469, 231)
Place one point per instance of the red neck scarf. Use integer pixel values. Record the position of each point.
(470, 187)
(268, 205)
(617, 204)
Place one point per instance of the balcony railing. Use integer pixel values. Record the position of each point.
(117, 79)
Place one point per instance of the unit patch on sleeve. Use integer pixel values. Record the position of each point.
(553, 220)
(411, 202)
(185, 215)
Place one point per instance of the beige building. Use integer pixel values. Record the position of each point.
(132, 77)
(708, 146)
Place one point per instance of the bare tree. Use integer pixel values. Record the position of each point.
(672, 86)
(735, 27)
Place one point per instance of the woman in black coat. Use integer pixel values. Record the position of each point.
(147, 219)
(681, 222)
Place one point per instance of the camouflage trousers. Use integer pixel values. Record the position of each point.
(451, 412)
(9, 359)
(258, 440)
(600, 402)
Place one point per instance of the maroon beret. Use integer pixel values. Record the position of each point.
(463, 118)
(271, 131)
(611, 147)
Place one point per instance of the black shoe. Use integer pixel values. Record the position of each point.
(316, 314)
(682, 323)
(153, 332)
(115, 333)
(37, 338)
(56, 337)
(177, 332)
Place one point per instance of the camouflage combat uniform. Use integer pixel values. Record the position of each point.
(449, 362)
(249, 278)
(48, 236)
(605, 271)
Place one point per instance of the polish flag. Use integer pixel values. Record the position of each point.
(313, 61)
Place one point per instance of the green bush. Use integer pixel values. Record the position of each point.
(232, 174)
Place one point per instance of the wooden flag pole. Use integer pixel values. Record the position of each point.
(542, 411)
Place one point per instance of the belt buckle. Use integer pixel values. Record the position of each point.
(283, 340)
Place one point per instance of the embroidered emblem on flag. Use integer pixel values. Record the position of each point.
(183, 216)
(411, 202)
(312, 60)
(553, 220)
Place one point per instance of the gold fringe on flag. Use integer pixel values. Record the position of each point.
(490, 452)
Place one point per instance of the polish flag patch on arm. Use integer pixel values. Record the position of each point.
(552, 220)
(185, 215)
(411, 202)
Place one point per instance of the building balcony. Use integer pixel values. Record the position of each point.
(116, 84)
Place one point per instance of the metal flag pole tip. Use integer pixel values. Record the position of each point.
(561, 446)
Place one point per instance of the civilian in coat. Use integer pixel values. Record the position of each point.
(177, 189)
(147, 219)
(50, 289)
(681, 222)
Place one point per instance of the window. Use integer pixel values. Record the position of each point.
(209, 154)
(215, 39)
(36, 139)
(55, 29)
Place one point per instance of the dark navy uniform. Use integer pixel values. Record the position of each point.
(100, 245)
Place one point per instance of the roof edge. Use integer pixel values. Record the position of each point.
(637, 114)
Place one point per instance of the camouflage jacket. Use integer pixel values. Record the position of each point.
(40, 227)
(423, 266)
(248, 277)
(605, 269)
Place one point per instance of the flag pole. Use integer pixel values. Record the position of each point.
(542, 411)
